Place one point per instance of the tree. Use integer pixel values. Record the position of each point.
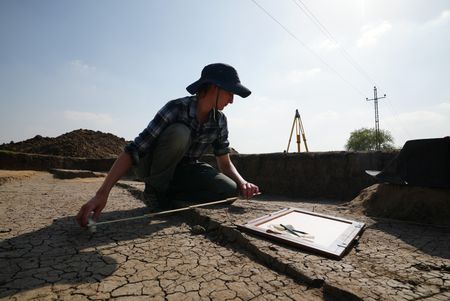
(365, 139)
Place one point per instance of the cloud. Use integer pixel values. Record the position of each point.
(421, 117)
(325, 44)
(371, 34)
(80, 65)
(439, 20)
(433, 115)
(445, 106)
(427, 123)
(298, 76)
(88, 118)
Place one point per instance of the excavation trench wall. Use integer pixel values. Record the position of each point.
(22, 161)
(331, 175)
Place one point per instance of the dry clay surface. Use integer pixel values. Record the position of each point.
(45, 256)
(392, 260)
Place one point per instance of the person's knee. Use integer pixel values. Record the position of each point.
(177, 136)
(226, 187)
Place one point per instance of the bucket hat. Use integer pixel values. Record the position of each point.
(222, 75)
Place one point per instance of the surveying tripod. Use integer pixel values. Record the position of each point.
(298, 129)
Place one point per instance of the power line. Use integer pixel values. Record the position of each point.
(304, 8)
(329, 36)
(346, 55)
(306, 46)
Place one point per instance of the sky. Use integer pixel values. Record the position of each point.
(111, 65)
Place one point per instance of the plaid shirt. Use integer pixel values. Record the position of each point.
(183, 110)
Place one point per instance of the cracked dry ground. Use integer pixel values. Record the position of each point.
(45, 256)
(392, 260)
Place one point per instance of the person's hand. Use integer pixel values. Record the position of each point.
(95, 206)
(248, 190)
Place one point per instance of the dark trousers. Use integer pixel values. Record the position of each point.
(164, 171)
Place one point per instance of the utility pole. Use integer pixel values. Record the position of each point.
(377, 118)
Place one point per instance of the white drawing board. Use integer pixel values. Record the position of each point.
(326, 234)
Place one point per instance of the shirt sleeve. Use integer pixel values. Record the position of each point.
(221, 145)
(141, 145)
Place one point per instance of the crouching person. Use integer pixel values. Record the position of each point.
(165, 154)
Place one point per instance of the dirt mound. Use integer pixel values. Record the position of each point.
(410, 203)
(9, 175)
(79, 143)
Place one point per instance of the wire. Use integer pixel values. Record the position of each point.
(346, 55)
(329, 36)
(308, 48)
(304, 8)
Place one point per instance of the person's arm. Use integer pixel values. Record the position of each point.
(227, 167)
(146, 139)
(98, 202)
